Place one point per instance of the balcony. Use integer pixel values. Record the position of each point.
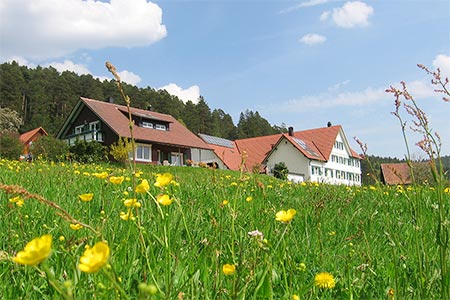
(87, 136)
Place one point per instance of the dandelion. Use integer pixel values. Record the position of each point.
(127, 216)
(285, 216)
(132, 203)
(228, 269)
(86, 197)
(75, 226)
(116, 180)
(164, 200)
(324, 280)
(163, 179)
(18, 201)
(94, 258)
(143, 187)
(35, 251)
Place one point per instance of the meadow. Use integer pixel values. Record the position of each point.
(197, 233)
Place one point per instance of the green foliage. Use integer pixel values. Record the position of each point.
(280, 171)
(10, 120)
(10, 145)
(367, 238)
(120, 150)
(88, 152)
(251, 124)
(50, 148)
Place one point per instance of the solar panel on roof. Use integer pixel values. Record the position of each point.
(214, 140)
(305, 147)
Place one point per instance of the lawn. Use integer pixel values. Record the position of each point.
(196, 233)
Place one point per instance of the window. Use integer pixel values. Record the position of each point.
(160, 127)
(147, 124)
(94, 126)
(316, 170)
(143, 153)
(79, 129)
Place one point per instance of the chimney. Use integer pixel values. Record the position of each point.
(149, 107)
(329, 124)
(291, 131)
(110, 99)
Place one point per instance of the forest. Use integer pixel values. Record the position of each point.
(44, 97)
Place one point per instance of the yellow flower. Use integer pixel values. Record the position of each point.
(127, 216)
(131, 203)
(163, 179)
(76, 172)
(116, 180)
(295, 297)
(249, 198)
(285, 216)
(302, 267)
(17, 200)
(225, 202)
(86, 197)
(447, 190)
(94, 258)
(143, 187)
(35, 251)
(75, 226)
(228, 269)
(164, 200)
(101, 175)
(62, 238)
(324, 280)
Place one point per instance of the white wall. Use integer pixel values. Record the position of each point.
(206, 156)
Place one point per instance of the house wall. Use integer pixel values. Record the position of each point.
(207, 156)
(297, 164)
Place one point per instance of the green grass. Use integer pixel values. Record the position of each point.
(371, 239)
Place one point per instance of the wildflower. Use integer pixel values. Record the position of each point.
(324, 280)
(332, 233)
(76, 172)
(116, 180)
(391, 293)
(62, 238)
(225, 202)
(372, 188)
(86, 174)
(295, 297)
(164, 200)
(302, 267)
(163, 179)
(101, 175)
(447, 190)
(86, 197)
(75, 226)
(94, 258)
(285, 216)
(143, 187)
(249, 198)
(228, 269)
(256, 233)
(17, 200)
(138, 174)
(131, 203)
(127, 216)
(35, 251)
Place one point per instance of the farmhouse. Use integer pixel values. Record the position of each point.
(317, 155)
(160, 138)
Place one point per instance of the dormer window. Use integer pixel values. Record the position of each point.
(160, 127)
(147, 124)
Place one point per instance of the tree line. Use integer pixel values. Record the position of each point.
(44, 97)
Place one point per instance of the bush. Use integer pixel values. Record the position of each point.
(49, 148)
(10, 145)
(120, 150)
(88, 152)
(280, 171)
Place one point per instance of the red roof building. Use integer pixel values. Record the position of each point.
(160, 138)
(28, 138)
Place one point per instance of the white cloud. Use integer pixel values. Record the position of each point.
(192, 93)
(351, 14)
(53, 28)
(129, 77)
(442, 62)
(304, 4)
(313, 39)
(69, 65)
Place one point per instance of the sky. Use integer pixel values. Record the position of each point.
(299, 63)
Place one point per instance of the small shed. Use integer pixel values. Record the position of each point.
(27, 138)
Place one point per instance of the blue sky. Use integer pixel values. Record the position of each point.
(301, 63)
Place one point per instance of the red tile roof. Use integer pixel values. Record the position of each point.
(32, 135)
(114, 117)
(396, 173)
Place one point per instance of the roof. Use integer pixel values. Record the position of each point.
(115, 117)
(225, 149)
(396, 173)
(315, 144)
(31, 135)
